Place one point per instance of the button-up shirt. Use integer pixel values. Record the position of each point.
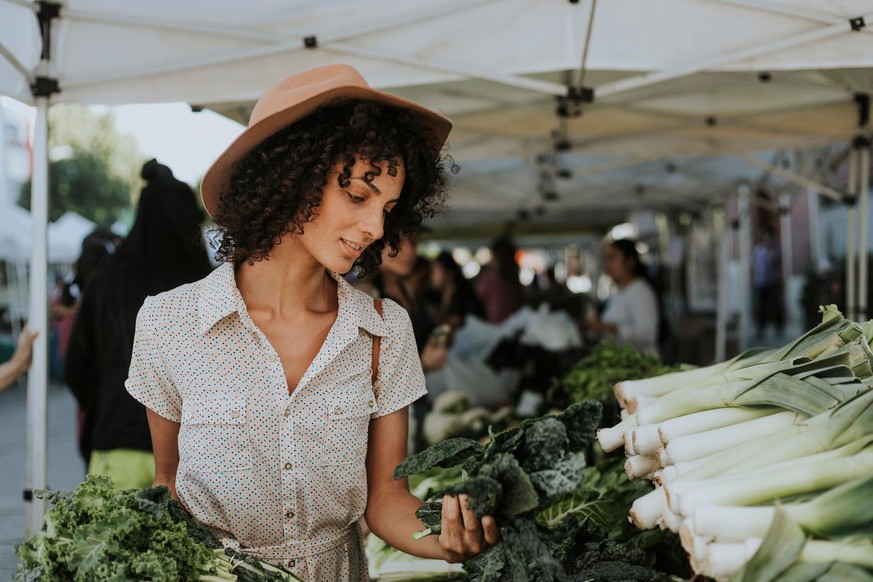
(283, 475)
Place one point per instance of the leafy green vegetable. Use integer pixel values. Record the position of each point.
(98, 533)
(448, 453)
(517, 474)
(608, 363)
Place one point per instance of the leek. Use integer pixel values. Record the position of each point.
(842, 510)
(849, 422)
(697, 446)
(708, 420)
(768, 484)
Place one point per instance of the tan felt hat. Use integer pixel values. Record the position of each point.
(294, 98)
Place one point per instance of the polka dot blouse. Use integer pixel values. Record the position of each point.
(281, 475)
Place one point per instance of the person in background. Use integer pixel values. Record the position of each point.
(277, 394)
(767, 282)
(632, 314)
(163, 250)
(19, 363)
(456, 298)
(498, 286)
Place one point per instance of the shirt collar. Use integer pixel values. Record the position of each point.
(218, 297)
(357, 310)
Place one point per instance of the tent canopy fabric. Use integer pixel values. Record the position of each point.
(674, 82)
(65, 236)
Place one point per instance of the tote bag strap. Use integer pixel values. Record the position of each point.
(376, 341)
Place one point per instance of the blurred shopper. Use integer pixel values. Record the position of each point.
(498, 286)
(456, 298)
(767, 282)
(163, 250)
(19, 363)
(395, 280)
(632, 314)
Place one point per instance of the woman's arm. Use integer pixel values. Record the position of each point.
(391, 507)
(165, 443)
(20, 361)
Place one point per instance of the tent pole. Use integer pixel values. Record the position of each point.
(37, 381)
(851, 244)
(864, 243)
(787, 251)
(719, 218)
(744, 278)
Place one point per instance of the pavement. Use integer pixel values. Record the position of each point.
(65, 467)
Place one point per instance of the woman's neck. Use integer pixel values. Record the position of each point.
(288, 283)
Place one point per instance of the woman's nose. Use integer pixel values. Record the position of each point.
(373, 224)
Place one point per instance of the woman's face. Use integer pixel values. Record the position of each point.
(616, 266)
(349, 219)
(438, 276)
(403, 263)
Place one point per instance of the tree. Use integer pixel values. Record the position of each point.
(94, 170)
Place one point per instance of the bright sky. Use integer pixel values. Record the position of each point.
(185, 141)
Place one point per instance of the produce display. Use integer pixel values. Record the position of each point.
(100, 534)
(763, 463)
(453, 415)
(594, 377)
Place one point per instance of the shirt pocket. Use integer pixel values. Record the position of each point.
(214, 435)
(348, 423)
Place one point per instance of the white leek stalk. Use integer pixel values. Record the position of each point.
(646, 439)
(708, 420)
(697, 446)
(640, 466)
(647, 509)
(841, 510)
(769, 484)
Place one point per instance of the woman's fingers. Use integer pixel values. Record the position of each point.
(489, 528)
(463, 534)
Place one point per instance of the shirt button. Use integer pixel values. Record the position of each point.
(289, 514)
(287, 412)
(272, 358)
(235, 414)
(337, 410)
(287, 466)
(370, 404)
(290, 564)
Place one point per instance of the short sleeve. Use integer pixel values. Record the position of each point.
(401, 379)
(149, 380)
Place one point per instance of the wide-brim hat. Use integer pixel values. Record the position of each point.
(296, 97)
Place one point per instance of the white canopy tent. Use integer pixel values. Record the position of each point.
(676, 81)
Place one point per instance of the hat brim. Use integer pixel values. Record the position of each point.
(220, 172)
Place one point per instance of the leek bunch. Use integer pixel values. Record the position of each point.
(743, 451)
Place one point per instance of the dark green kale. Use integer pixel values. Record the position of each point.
(446, 454)
(518, 473)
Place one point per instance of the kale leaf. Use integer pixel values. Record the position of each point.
(517, 474)
(446, 454)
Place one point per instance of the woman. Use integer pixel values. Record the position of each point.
(163, 250)
(498, 286)
(266, 420)
(456, 296)
(632, 313)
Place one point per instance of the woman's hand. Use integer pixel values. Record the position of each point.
(463, 535)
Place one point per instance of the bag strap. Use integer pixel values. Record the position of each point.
(377, 303)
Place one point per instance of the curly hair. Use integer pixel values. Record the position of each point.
(278, 187)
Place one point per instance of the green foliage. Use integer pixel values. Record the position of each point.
(518, 473)
(100, 534)
(608, 363)
(94, 169)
